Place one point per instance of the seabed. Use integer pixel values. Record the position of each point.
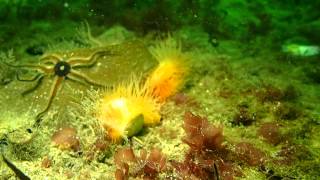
(257, 95)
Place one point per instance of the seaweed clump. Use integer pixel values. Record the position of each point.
(243, 116)
(285, 111)
(181, 99)
(207, 157)
(66, 139)
(271, 93)
(271, 133)
(146, 166)
(250, 154)
(201, 135)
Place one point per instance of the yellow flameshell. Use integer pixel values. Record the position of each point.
(124, 110)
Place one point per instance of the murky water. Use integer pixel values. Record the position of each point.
(159, 89)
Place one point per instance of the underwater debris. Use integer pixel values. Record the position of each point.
(16, 171)
(146, 166)
(66, 138)
(169, 75)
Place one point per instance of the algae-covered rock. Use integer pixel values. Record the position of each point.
(124, 61)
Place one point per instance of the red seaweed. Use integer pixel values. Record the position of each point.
(146, 165)
(201, 135)
(250, 154)
(66, 138)
(271, 133)
(183, 99)
(207, 158)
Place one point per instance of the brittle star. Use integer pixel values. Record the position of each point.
(62, 69)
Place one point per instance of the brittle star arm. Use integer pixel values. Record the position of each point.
(37, 67)
(38, 79)
(77, 62)
(57, 82)
(28, 80)
(76, 76)
(51, 58)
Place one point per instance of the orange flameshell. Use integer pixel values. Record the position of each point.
(170, 73)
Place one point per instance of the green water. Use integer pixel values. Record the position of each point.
(252, 82)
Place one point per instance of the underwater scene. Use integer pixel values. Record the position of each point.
(159, 89)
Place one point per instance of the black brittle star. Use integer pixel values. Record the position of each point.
(61, 69)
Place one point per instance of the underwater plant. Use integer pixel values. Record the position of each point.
(243, 116)
(270, 93)
(207, 157)
(271, 133)
(287, 111)
(183, 99)
(250, 154)
(66, 138)
(146, 165)
(201, 135)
